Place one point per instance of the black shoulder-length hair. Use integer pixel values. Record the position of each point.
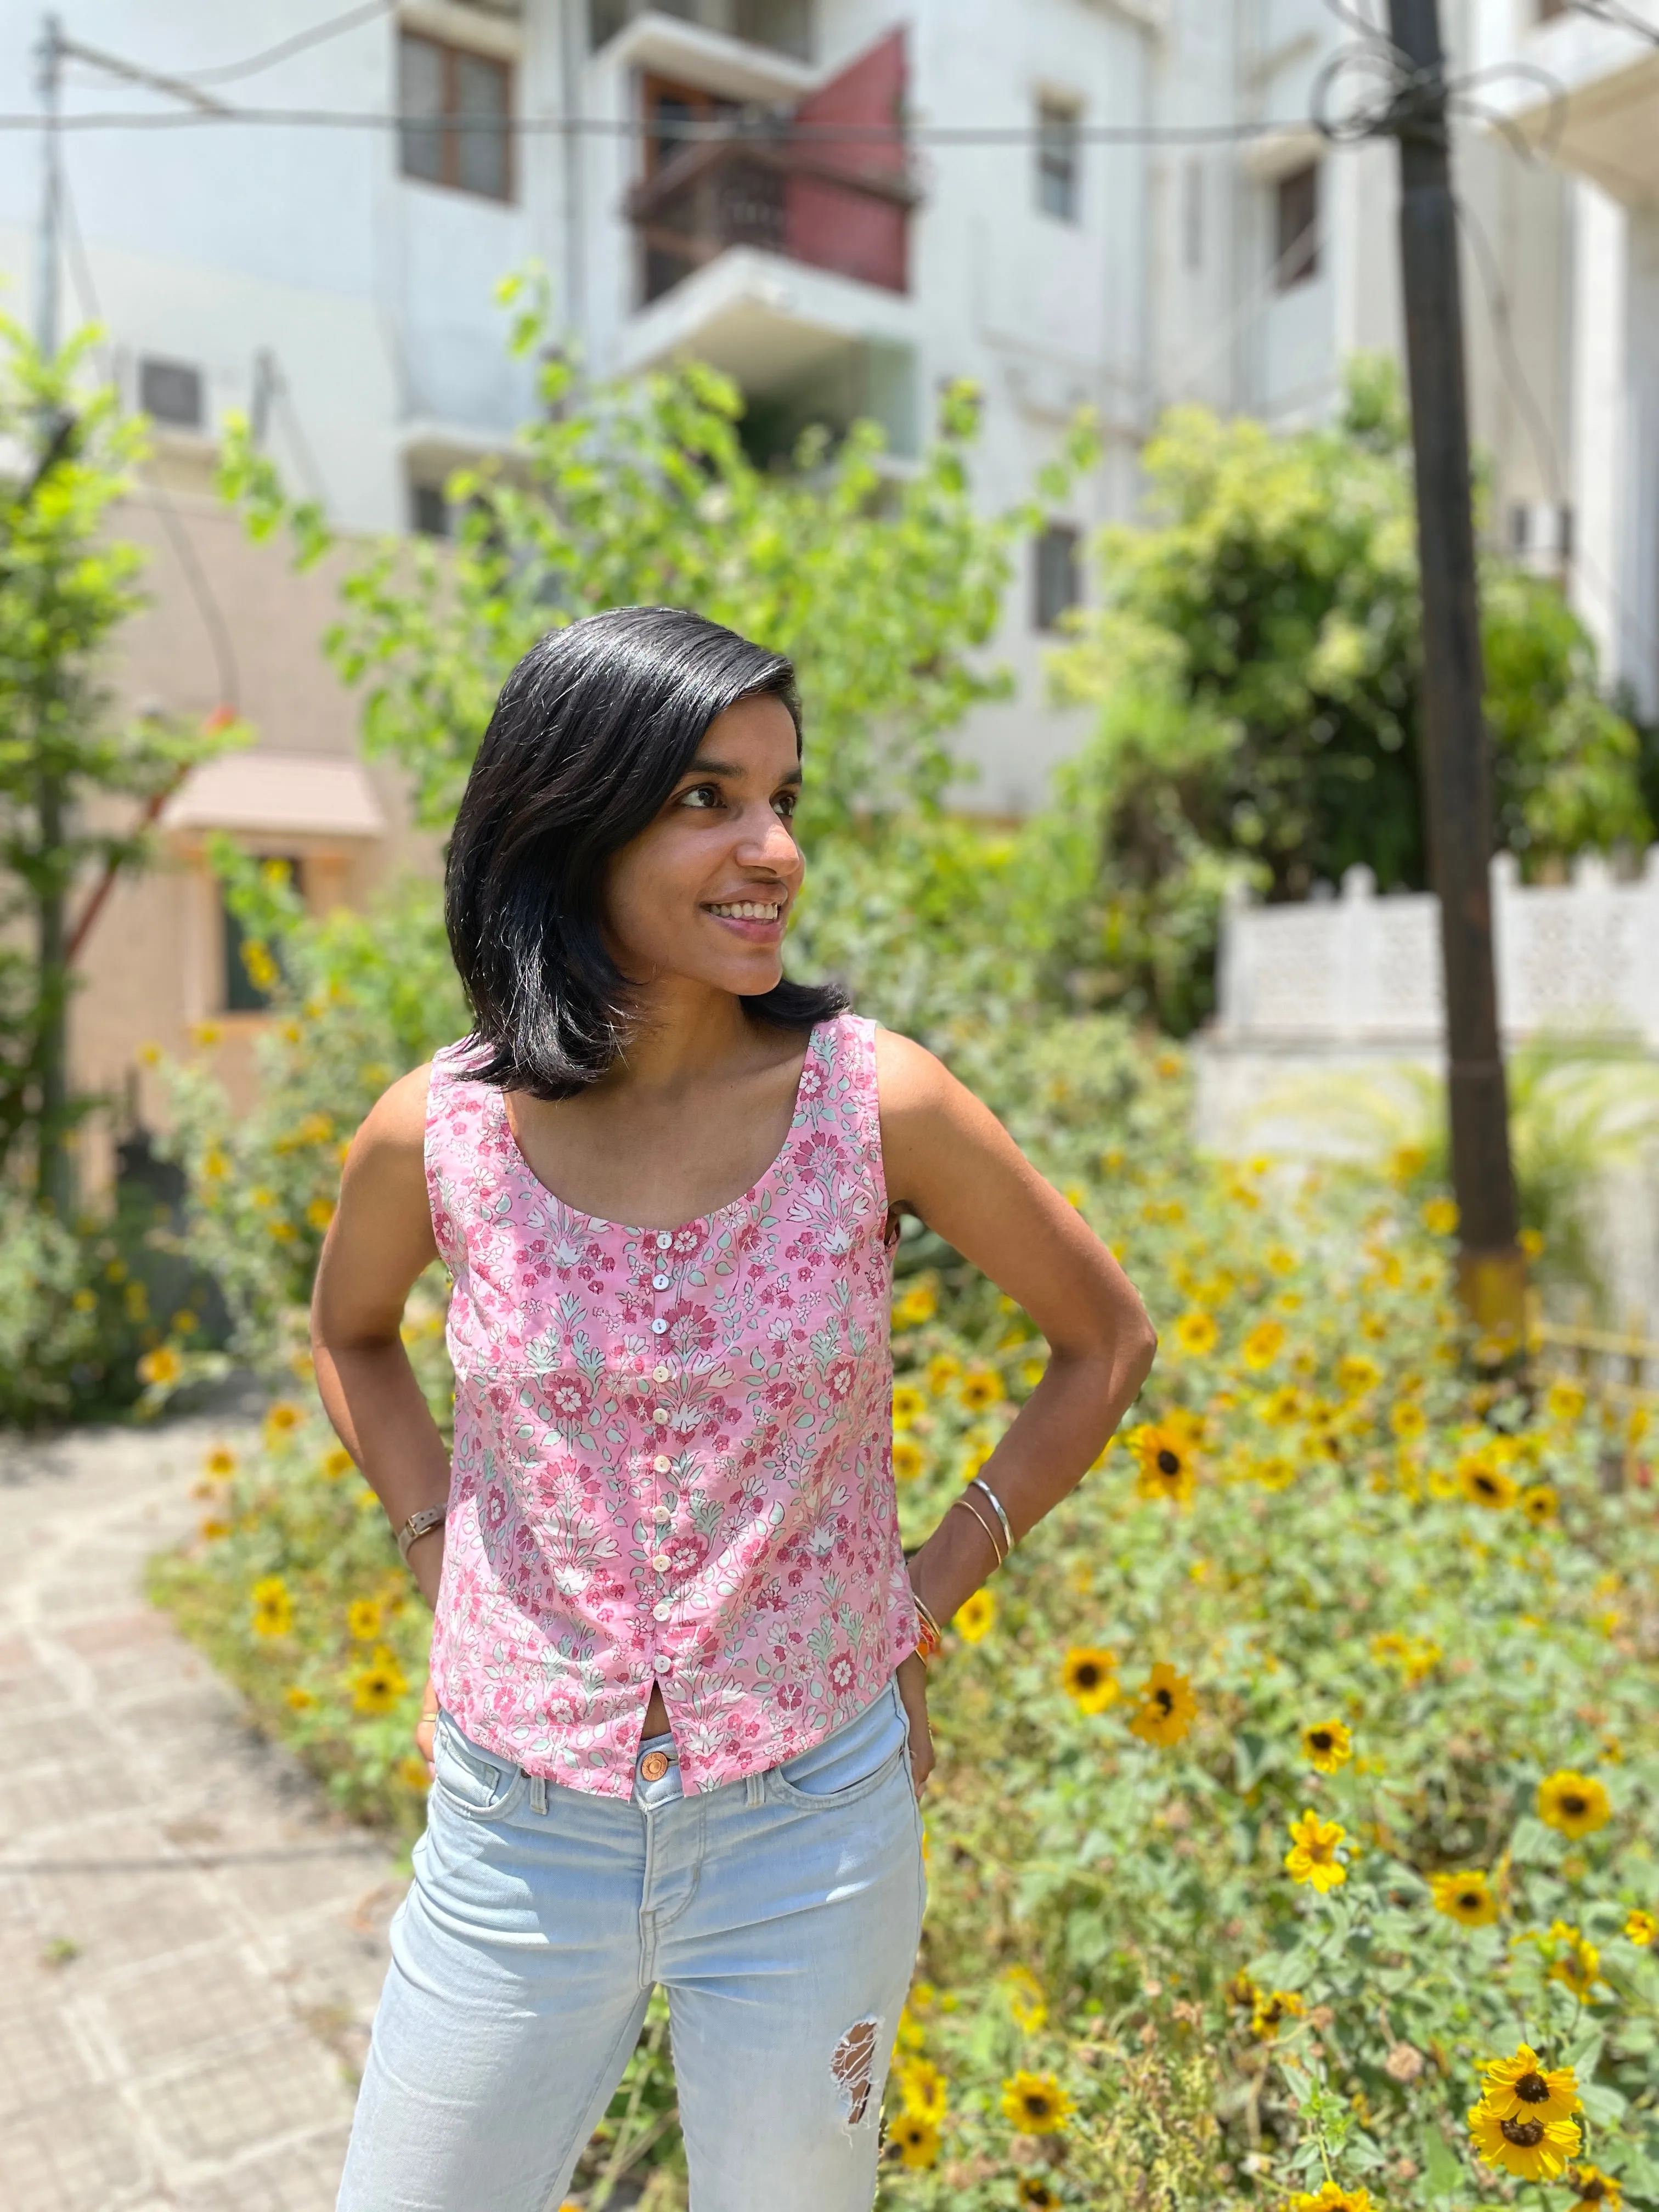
(592, 730)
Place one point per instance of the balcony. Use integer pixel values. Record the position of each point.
(783, 26)
(1591, 98)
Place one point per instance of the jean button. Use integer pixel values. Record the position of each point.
(654, 1765)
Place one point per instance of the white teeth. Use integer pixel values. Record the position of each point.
(748, 910)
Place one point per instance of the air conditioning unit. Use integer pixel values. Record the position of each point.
(1540, 536)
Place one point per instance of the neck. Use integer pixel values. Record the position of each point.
(683, 1032)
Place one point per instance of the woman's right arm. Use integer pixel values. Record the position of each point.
(378, 1241)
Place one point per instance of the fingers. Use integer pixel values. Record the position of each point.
(426, 1727)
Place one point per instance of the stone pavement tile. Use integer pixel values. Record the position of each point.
(41, 2060)
(207, 1997)
(54, 1795)
(323, 1873)
(78, 2153)
(240, 2098)
(37, 1727)
(296, 2177)
(117, 1923)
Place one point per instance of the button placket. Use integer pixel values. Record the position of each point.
(661, 1463)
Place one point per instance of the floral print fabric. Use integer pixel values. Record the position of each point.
(672, 1457)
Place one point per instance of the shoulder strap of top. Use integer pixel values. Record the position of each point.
(849, 1044)
(453, 1123)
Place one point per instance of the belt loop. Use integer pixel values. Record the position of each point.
(754, 1790)
(539, 1793)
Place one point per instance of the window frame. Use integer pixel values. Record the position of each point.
(1288, 275)
(1048, 619)
(1058, 126)
(449, 124)
(237, 992)
(150, 366)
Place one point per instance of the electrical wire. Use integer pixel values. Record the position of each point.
(229, 72)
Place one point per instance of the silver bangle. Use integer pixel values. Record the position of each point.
(975, 1483)
(420, 1523)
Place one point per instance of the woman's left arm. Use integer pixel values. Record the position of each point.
(949, 1159)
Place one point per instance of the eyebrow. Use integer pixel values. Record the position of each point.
(731, 769)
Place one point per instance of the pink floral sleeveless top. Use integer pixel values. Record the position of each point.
(673, 1457)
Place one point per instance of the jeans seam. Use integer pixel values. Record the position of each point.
(599, 2073)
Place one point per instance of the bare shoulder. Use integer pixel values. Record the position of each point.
(393, 1131)
(911, 1081)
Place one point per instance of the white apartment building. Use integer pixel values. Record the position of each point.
(335, 279)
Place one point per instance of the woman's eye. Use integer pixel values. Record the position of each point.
(702, 795)
(785, 804)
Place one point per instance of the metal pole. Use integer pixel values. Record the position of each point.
(49, 81)
(1456, 776)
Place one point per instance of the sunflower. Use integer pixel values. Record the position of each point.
(1312, 1855)
(377, 1685)
(924, 2088)
(1466, 1897)
(1541, 1504)
(1275, 1472)
(1356, 1372)
(161, 1366)
(1166, 1464)
(1271, 2009)
(299, 1697)
(1640, 1929)
(918, 1304)
(1575, 1962)
(1242, 1992)
(908, 1403)
(1597, 2192)
(1483, 1484)
(1035, 2103)
(908, 1459)
(1565, 1401)
(1282, 1407)
(411, 1771)
(915, 2139)
(1034, 2192)
(1090, 1680)
(1408, 1420)
(1326, 1745)
(335, 1463)
(1522, 2088)
(1440, 1217)
(979, 1389)
(1195, 1332)
(1262, 1345)
(1331, 2196)
(1577, 1804)
(281, 1419)
(943, 1369)
(974, 1616)
(1025, 1999)
(273, 1606)
(1167, 1708)
(1533, 2150)
(221, 1463)
(363, 1618)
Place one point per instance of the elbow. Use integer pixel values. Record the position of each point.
(1142, 1345)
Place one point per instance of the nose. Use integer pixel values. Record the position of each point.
(765, 841)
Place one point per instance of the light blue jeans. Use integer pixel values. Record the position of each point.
(781, 1915)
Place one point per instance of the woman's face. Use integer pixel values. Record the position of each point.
(704, 893)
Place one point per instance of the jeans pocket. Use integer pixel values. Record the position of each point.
(473, 1780)
(857, 1758)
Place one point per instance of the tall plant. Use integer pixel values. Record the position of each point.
(65, 587)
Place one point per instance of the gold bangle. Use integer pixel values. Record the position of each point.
(968, 1504)
(977, 1482)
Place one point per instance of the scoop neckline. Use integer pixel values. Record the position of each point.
(677, 1228)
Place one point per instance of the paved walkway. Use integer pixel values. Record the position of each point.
(191, 1944)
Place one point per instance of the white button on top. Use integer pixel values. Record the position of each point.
(660, 1512)
(662, 1563)
(661, 1611)
(663, 1240)
(659, 1282)
(660, 1465)
(659, 1326)
(663, 1374)
(659, 1415)
(661, 1664)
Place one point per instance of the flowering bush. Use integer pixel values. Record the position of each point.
(1297, 1772)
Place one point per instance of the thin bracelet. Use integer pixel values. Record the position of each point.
(968, 1507)
(931, 1643)
(975, 1483)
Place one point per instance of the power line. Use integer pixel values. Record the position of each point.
(227, 72)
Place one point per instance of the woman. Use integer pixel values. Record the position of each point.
(679, 1659)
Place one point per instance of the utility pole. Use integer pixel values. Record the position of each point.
(49, 81)
(1457, 779)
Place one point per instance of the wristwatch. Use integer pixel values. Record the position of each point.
(419, 1524)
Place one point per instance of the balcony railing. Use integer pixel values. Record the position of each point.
(827, 210)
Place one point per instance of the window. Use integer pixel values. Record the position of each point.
(1057, 163)
(171, 392)
(1296, 255)
(428, 510)
(1058, 577)
(459, 107)
(247, 989)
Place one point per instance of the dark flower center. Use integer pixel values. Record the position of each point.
(1532, 2089)
(1086, 1675)
(1525, 2135)
(1573, 1806)
(1168, 1461)
(1321, 1738)
(1471, 1900)
(1164, 1700)
(1036, 2105)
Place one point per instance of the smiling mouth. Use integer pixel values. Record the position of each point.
(747, 909)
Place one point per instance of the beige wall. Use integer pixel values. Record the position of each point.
(152, 970)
